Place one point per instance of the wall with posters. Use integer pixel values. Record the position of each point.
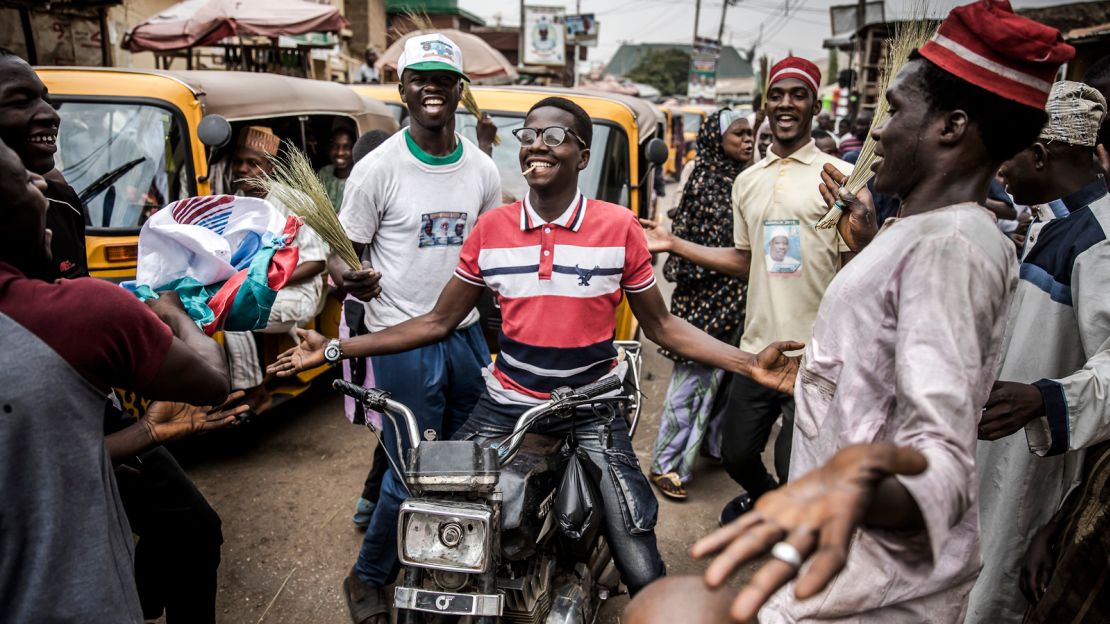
(703, 76)
(544, 35)
(582, 29)
(61, 37)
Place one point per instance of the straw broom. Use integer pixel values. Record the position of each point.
(765, 66)
(294, 184)
(909, 37)
(424, 24)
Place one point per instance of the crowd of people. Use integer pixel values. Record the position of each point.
(937, 361)
(949, 413)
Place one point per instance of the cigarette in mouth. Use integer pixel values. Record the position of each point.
(528, 170)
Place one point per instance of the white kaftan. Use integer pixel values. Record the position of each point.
(904, 349)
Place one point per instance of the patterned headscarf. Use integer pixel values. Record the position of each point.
(709, 300)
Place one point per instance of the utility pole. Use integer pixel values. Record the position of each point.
(697, 15)
(861, 20)
(577, 11)
(721, 30)
(520, 46)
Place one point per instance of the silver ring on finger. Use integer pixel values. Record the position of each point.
(786, 553)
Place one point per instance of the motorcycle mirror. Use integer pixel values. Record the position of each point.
(214, 131)
(656, 151)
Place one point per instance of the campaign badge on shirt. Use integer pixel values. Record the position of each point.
(442, 229)
(782, 247)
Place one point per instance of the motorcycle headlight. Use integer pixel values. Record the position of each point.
(444, 535)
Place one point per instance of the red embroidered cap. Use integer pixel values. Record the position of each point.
(796, 67)
(987, 45)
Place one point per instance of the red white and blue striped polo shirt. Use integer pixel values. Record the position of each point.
(558, 285)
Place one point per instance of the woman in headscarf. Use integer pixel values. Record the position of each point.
(709, 300)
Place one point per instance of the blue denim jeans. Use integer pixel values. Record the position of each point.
(441, 384)
(629, 508)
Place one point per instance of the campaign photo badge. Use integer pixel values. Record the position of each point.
(442, 229)
(782, 247)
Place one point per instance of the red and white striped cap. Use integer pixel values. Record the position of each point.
(796, 67)
(987, 45)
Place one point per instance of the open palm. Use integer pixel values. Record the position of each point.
(305, 356)
(659, 237)
(774, 369)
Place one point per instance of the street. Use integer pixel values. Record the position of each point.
(286, 487)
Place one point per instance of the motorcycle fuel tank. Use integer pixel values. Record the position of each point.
(528, 486)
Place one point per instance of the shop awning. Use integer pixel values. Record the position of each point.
(206, 22)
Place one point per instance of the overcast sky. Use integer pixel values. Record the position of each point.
(801, 29)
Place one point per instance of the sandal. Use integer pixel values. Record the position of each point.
(367, 604)
(670, 485)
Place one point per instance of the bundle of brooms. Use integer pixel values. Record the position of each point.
(294, 184)
(909, 36)
(765, 66)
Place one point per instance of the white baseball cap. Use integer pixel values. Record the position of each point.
(432, 52)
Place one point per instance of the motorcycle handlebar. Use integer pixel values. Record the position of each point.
(372, 397)
(507, 449)
(378, 400)
(605, 385)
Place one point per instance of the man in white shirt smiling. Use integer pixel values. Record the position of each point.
(411, 203)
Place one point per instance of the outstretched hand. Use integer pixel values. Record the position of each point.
(816, 514)
(659, 237)
(168, 420)
(307, 355)
(774, 369)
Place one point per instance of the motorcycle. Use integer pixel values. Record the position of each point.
(478, 536)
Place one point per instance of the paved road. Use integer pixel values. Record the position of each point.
(286, 487)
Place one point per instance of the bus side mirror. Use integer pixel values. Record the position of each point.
(214, 131)
(656, 151)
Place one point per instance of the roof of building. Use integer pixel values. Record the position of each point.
(1064, 15)
(432, 7)
(731, 65)
(235, 95)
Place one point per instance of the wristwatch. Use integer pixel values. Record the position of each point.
(332, 352)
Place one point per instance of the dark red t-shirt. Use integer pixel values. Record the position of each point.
(100, 329)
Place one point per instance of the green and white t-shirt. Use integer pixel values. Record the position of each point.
(413, 210)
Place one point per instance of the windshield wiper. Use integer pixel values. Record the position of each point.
(108, 179)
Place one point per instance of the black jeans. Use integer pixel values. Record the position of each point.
(629, 506)
(178, 551)
(749, 416)
(372, 488)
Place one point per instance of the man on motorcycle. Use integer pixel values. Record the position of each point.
(409, 205)
(559, 264)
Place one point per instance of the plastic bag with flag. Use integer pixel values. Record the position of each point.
(225, 256)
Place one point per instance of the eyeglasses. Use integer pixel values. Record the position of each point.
(552, 136)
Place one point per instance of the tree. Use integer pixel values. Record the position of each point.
(667, 70)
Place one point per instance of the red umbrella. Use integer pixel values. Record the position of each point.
(206, 22)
